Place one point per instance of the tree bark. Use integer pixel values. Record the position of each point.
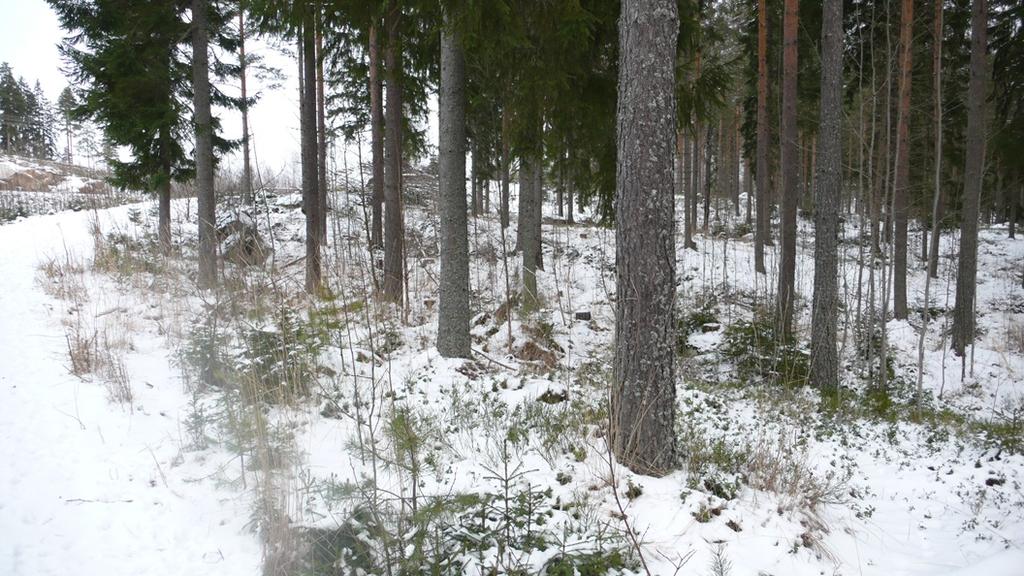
(376, 138)
(164, 193)
(689, 184)
(247, 193)
(321, 130)
(204, 146)
(506, 160)
(570, 188)
(394, 240)
(763, 209)
(937, 211)
(527, 197)
(785, 297)
(643, 389)
(967, 268)
(453, 312)
(902, 168)
(827, 200)
(310, 171)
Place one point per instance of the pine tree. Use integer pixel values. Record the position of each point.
(902, 168)
(394, 233)
(785, 296)
(967, 267)
(453, 303)
(66, 104)
(203, 121)
(827, 200)
(126, 53)
(643, 390)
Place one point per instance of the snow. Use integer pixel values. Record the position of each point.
(99, 487)
(90, 487)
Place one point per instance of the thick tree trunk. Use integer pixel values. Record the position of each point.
(394, 241)
(786, 297)
(763, 209)
(827, 201)
(453, 312)
(310, 193)
(967, 269)
(376, 139)
(901, 194)
(247, 193)
(204, 146)
(706, 151)
(643, 389)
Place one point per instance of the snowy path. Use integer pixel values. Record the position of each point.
(88, 486)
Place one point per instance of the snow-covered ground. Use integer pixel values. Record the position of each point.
(88, 486)
(772, 483)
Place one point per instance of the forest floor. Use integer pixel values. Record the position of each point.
(150, 427)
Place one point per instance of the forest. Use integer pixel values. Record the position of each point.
(552, 287)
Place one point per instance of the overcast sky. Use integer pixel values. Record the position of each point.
(30, 32)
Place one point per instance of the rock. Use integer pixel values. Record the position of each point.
(553, 396)
(241, 243)
(532, 352)
(710, 327)
(583, 315)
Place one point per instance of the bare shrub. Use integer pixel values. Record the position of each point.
(116, 378)
(83, 351)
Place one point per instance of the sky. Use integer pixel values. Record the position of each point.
(30, 33)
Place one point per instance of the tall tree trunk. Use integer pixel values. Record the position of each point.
(734, 166)
(706, 151)
(376, 138)
(528, 166)
(474, 179)
(308, 129)
(967, 269)
(763, 209)
(827, 201)
(204, 146)
(785, 298)
(901, 194)
(164, 192)
(506, 160)
(689, 185)
(247, 193)
(748, 189)
(933, 252)
(453, 310)
(698, 176)
(394, 233)
(570, 188)
(643, 390)
(321, 129)
(1014, 207)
